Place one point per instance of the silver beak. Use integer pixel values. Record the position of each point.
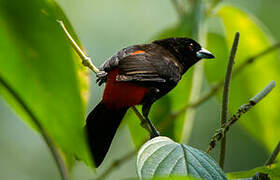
(203, 53)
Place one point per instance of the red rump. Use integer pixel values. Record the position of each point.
(122, 94)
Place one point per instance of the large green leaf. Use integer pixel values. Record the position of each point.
(168, 178)
(273, 172)
(263, 120)
(37, 62)
(163, 157)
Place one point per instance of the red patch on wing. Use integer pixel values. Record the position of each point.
(138, 52)
(122, 94)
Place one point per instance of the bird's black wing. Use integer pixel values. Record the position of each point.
(143, 64)
(139, 67)
(148, 67)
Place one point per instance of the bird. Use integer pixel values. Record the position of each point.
(137, 75)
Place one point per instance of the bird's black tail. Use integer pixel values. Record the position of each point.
(101, 125)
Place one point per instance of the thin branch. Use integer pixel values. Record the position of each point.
(146, 124)
(242, 110)
(55, 153)
(86, 61)
(116, 164)
(273, 156)
(252, 59)
(224, 112)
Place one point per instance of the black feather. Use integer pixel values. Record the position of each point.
(102, 124)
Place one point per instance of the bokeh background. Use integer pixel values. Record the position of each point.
(104, 27)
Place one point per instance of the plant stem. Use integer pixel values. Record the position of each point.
(56, 155)
(116, 164)
(220, 133)
(86, 61)
(146, 125)
(274, 154)
(224, 112)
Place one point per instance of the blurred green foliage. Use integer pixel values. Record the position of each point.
(273, 172)
(38, 63)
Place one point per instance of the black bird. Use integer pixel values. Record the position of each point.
(139, 74)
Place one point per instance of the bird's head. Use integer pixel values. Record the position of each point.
(186, 50)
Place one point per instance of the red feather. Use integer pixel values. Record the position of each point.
(122, 94)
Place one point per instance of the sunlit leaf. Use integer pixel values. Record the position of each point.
(263, 120)
(163, 157)
(272, 171)
(36, 60)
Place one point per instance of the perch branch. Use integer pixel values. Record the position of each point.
(144, 122)
(274, 154)
(242, 110)
(224, 112)
(116, 164)
(56, 155)
(86, 61)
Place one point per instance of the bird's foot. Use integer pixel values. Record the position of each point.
(101, 77)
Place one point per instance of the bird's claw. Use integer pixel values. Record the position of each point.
(101, 74)
(101, 77)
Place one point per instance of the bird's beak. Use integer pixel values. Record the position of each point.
(203, 53)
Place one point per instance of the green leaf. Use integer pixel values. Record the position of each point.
(263, 120)
(163, 157)
(168, 178)
(175, 100)
(176, 178)
(273, 172)
(37, 62)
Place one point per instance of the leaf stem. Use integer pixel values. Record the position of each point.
(220, 133)
(55, 152)
(86, 61)
(274, 154)
(224, 112)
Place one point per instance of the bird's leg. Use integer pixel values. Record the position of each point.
(146, 109)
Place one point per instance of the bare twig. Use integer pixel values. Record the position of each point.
(86, 61)
(116, 164)
(146, 124)
(273, 156)
(224, 112)
(242, 110)
(56, 155)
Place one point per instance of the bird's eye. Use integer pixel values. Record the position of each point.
(191, 47)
